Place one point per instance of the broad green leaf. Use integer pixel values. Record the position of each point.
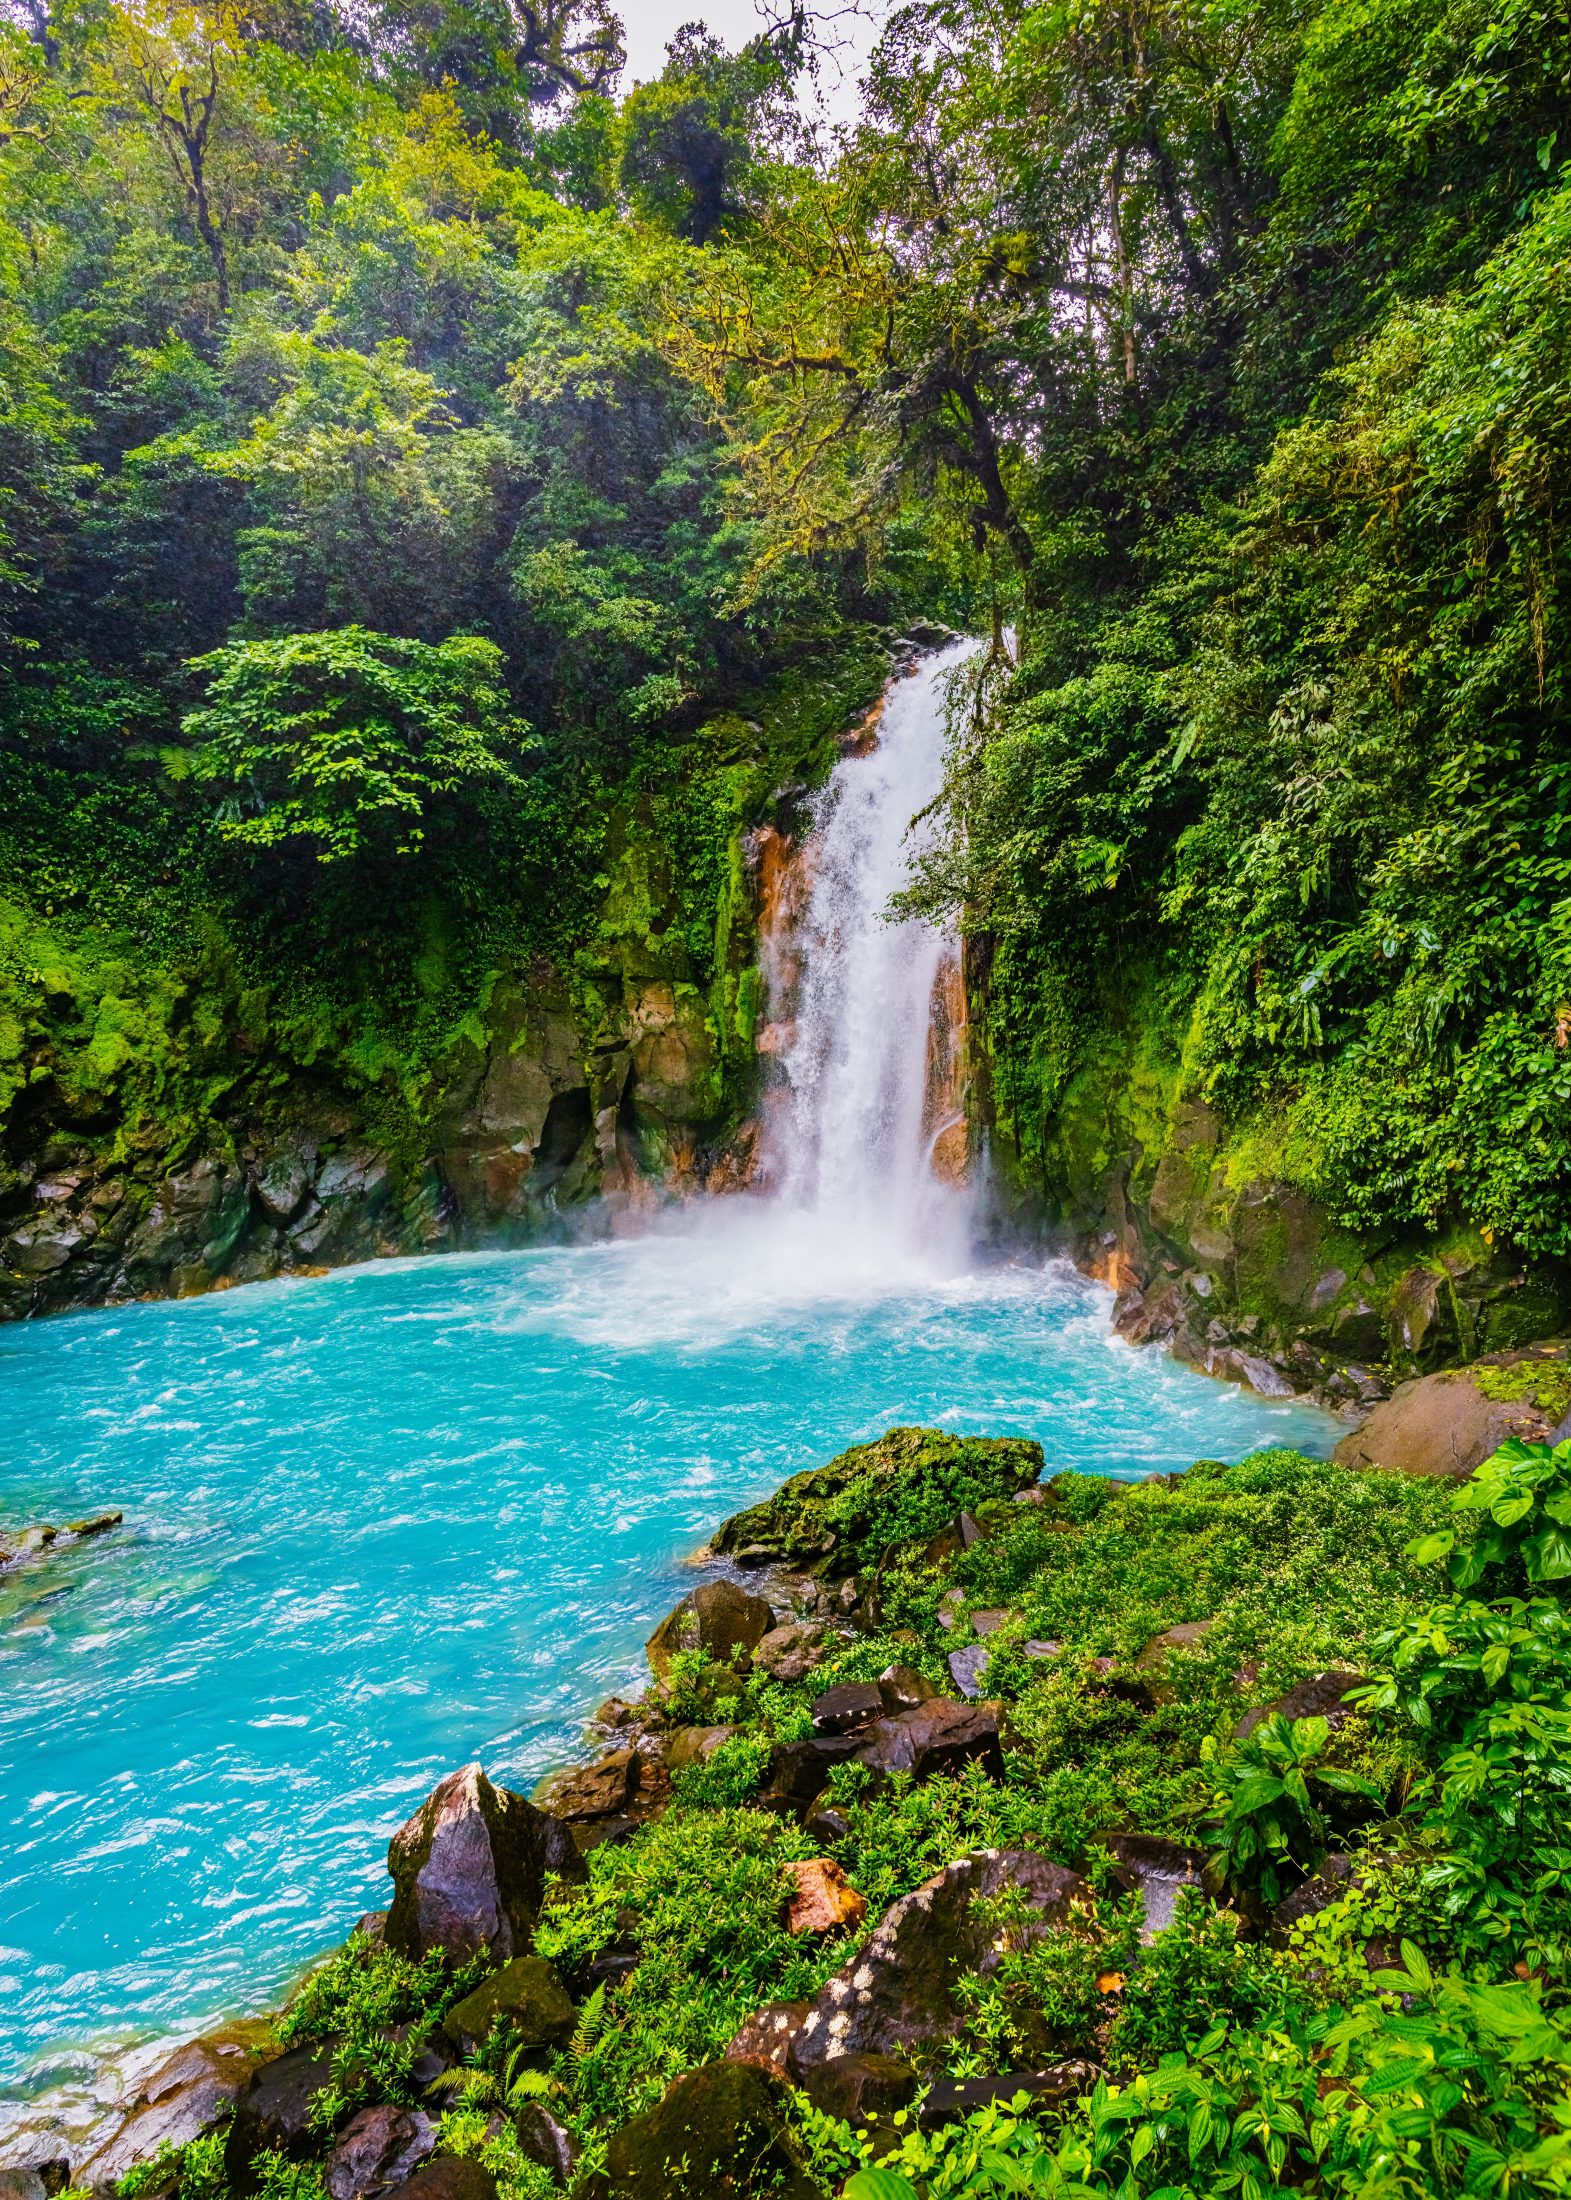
(880, 2184)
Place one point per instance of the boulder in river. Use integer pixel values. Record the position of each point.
(379, 2147)
(469, 1870)
(725, 1622)
(723, 2131)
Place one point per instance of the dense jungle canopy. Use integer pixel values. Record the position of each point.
(410, 437)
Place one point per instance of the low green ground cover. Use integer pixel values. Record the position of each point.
(1407, 2033)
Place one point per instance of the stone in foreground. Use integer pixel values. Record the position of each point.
(933, 1737)
(901, 1993)
(447, 2178)
(824, 1901)
(722, 2132)
(379, 2148)
(469, 1870)
(184, 2097)
(528, 1993)
(273, 2114)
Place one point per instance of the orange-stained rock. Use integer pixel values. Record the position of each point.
(825, 1899)
(735, 1167)
(950, 1155)
(1116, 1269)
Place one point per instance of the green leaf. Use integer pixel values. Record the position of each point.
(1507, 1511)
(880, 2184)
(1428, 1550)
(1548, 1555)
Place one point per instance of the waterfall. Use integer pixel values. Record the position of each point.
(868, 1011)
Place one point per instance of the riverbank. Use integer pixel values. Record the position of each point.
(903, 1660)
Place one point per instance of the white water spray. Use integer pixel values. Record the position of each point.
(853, 1147)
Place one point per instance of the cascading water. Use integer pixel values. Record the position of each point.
(851, 1149)
(382, 1522)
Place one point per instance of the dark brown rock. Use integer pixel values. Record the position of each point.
(902, 1688)
(858, 2088)
(799, 1771)
(790, 1653)
(528, 1993)
(948, 2100)
(449, 2177)
(935, 1737)
(601, 1790)
(273, 2114)
(542, 2140)
(901, 1991)
(722, 2132)
(1320, 1697)
(852, 1704)
(378, 2148)
(469, 1870)
(725, 1622)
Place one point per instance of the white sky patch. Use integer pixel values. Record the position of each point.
(649, 25)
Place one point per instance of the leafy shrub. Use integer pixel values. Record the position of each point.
(1195, 1975)
(702, 1894)
(348, 741)
(729, 1777)
(193, 2172)
(358, 1996)
(1271, 1832)
(1524, 1493)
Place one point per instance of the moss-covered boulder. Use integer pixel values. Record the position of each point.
(836, 1519)
(723, 2130)
(528, 1993)
(1450, 1423)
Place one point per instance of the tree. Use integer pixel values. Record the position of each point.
(350, 744)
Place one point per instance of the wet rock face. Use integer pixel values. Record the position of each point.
(187, 2094)
(469, 1870)
(379, 2148)
(723, 2131)
(600, 1790)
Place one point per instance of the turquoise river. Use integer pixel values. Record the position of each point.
(383, 1522)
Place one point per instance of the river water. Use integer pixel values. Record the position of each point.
(383, 1522)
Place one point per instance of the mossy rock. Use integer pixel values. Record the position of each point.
(910, 1482)
(723, 2131)
(528, 1993)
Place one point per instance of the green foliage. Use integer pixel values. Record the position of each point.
(193, 2172)
(727, 1778)
(702, 1895)
(1271, 1829)
(348, 741)
(1524, 1492)
(356, 2001)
